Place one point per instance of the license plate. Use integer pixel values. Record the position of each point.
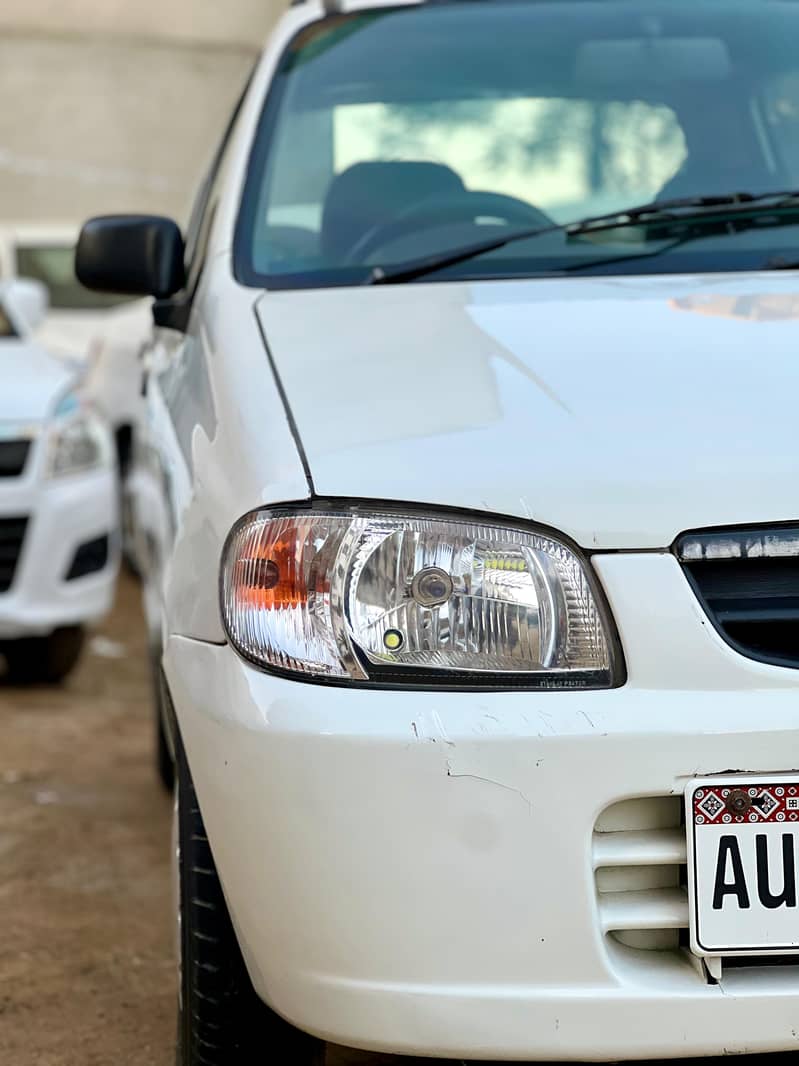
(743, 855)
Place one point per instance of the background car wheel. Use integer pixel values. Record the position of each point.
(221, 1022)
(128, 531)
(43, 660)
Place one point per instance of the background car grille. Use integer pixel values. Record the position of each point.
(638, 852)
(12, 535)
(748, 583)
(13, 456)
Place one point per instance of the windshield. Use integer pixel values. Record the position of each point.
(54, 265)
(397, 133)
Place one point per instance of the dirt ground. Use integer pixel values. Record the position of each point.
(86, 971)
(86, 967)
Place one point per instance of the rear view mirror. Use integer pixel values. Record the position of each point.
(134, 255)
(26, 302)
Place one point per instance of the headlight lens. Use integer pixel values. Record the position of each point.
(80, 440)
(412, 599)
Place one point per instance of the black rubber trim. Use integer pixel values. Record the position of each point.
(14, 456)
(409, 679)
(13, 532)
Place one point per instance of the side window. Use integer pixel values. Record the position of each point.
(202, 215)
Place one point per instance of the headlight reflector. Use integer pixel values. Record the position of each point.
(412, 598)
(79, 441)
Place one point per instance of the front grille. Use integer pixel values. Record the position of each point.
(13, 456)
(639, 854)
(747, 580)
(12, 535)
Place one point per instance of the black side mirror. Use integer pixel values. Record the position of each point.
(134, 255)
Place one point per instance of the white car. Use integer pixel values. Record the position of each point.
(101, 334)
(478, 574)
(113, 382)
(45, 251)
(58, 501)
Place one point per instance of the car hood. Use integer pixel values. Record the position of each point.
(31, 381)
(621, 411)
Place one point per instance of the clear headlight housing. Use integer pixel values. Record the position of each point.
(79, 440)
(402, 598)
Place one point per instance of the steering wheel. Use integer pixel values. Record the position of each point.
(443, 209)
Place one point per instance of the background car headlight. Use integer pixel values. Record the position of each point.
(414, 599)
(79, 440)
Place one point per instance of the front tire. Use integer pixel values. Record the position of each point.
(128, 532)
(164, 766)
(43, 660)
(221, 1021)
(164, 760)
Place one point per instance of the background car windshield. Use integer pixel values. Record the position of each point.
(54, 265)
(399, 133)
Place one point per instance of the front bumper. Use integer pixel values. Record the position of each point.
(415, 872)
(62, 515)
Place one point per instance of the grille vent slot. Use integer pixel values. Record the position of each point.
(12, 535)
(638, 852)
(748, 583)
(13, 456)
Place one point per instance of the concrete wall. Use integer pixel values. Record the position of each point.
(110, 105)
(212, 21)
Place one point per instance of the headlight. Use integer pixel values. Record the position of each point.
(79, 440)
(412, 599)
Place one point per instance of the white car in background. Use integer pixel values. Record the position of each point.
(59, 542)
(113, 382)
(101, 335)
(46, 252)
(473, 407)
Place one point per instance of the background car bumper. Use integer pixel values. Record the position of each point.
(62, 516)
(415, 872)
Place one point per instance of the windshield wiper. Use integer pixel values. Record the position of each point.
(688, 208)
(417, 268)
(685, 208)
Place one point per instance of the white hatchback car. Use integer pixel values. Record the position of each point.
(99, 334)
(473, 412)
(58, 501)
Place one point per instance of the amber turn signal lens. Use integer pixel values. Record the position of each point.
(267, 573)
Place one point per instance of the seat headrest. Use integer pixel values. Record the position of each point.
(368, 194)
